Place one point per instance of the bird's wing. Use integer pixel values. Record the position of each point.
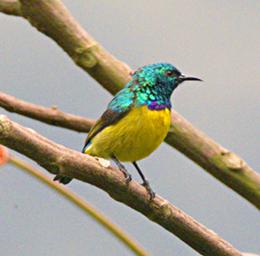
(117, 109)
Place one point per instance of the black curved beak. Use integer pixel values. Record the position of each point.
(183, 78)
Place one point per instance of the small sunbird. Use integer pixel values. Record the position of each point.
(137, 119)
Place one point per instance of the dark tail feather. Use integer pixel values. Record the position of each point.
(65, 179)
(62, 179)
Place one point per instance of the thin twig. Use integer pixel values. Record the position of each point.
(86, 168)
(82, 204)
(51, 115)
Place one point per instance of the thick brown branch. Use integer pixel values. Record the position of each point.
(68, 162)
(53, 19)
(47, 115)
(218, 161)
(11, 7)
(223, 164)
(82, 204)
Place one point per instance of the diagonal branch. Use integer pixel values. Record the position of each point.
(82, 204)
(224, 165)
(53, 19)
(47, 115)
(11, 7)
(218, 161)
(68, 162)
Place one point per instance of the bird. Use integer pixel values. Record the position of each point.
(136, 120)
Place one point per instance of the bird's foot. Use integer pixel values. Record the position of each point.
(122, 168)
(149, 189)
(127, 175)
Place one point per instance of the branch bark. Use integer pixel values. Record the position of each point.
(218, 161)
(82, 204)
(60, 160)
(53, 19)
(47, 115)
(11, 7)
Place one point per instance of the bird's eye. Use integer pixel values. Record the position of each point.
(169, 73)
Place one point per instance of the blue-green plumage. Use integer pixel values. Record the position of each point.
(137, 119)
(150, 85)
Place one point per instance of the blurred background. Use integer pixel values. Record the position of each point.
(215, 40)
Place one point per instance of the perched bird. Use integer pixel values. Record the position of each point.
(136, 120)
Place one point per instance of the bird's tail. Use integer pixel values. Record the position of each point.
(62, 179)
(65, 179)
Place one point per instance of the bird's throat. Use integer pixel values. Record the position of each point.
(155, 105)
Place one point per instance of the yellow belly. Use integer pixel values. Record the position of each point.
(134, 137)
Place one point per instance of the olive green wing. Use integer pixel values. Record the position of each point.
(109, 117)
(120, 105)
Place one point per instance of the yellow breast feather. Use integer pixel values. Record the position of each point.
(133, 137)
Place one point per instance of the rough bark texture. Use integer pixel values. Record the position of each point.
(53, 19)
(51, 115)
(58, 159)
(11, 7)
(223, 164)
(79, 202)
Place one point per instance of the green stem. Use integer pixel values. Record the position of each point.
(82, 204)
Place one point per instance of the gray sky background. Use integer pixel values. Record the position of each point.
(215, 40)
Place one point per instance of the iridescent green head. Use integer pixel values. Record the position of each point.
(153, 84)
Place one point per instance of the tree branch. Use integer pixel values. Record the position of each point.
(47, 115)
(11, 7)
(218, 161)
(60, 160)
(82, 204)
(53, 19)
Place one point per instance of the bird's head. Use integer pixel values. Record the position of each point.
(161, 78)
(153, 84)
